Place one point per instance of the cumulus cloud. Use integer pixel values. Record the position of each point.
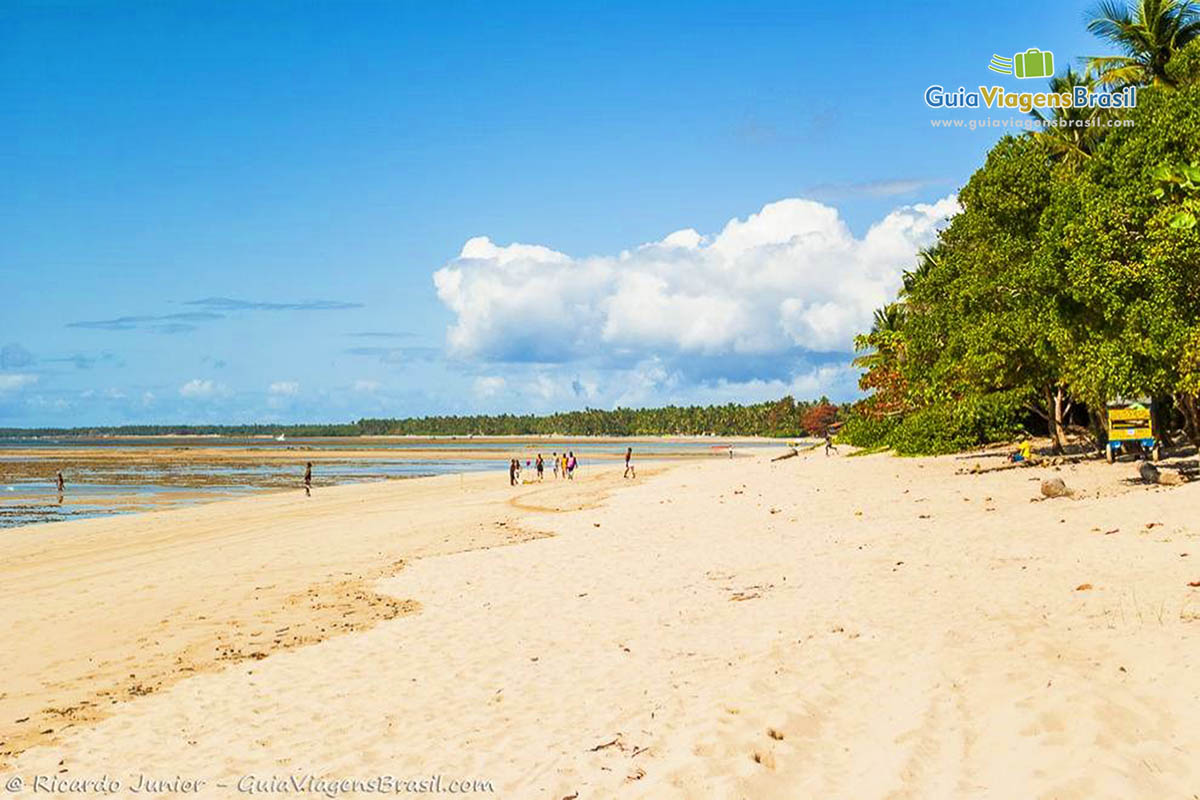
(489, 385)
(788, 282)
(198, 387)
(14, 381)
(284, 388)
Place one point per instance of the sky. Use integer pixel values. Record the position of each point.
(286, 212)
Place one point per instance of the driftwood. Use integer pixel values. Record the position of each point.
(791, 453)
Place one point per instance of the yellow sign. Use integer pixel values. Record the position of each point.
(1126, 424)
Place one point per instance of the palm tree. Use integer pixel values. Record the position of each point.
(1149, 32)
(888, 319)
(1069, 134)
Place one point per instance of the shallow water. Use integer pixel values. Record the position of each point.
(148, 473)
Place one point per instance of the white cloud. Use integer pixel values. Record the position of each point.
(366, 386)
(200, 388)
(489, 385)
(790, 279)
(284, 388)
(13, 381)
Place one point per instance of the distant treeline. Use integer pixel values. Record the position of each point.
(779, 418)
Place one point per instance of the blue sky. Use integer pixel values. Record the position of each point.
(236, 212)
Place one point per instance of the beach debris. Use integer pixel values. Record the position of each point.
(1194, 584)
(614, 742)
(791, 453)
(1163, 477)
(1114, 530)
(775, 734)
(1083, 587)
(1054, 487)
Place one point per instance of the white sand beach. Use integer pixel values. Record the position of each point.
(869, 627)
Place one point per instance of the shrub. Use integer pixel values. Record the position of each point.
(946, 427)
(955, 425)
(866, 431)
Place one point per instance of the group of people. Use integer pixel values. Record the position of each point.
(563, 465)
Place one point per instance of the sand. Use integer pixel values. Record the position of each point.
(867, 627)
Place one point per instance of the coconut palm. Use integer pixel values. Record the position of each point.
(1069, 134)
(1149, 32)
(888, 319)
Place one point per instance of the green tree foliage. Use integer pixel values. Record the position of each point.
(778, 418)
(1071, 275)
(1132, 289)
(1149, 33)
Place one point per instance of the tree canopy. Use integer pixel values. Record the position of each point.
(1071, 276)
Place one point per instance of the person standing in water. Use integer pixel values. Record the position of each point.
(59, 483)
(629, 470)
(308, 479)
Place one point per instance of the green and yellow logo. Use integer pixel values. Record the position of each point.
(1033, 63)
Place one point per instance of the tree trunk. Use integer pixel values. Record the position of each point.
(1189, 407)
(1060, 438)
(1054, 417)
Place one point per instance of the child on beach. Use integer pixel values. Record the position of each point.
(512, 472)
(829, 445)
(308, 479)
(629, 470)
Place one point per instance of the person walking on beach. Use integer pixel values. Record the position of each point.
(512, 472)
(541, 467)
(308, 479)
(829, 445)
(554, 460)
(571, 462)
(629, 470)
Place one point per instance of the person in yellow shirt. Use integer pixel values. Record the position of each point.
(1024, 452)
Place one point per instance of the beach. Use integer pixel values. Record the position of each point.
(869, 627)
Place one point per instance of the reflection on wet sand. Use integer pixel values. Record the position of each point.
(49, 480)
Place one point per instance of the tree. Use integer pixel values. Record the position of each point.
(1132, 296)
(1150, 32)
(1069, 133)
(818, 419)
(981, 318)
